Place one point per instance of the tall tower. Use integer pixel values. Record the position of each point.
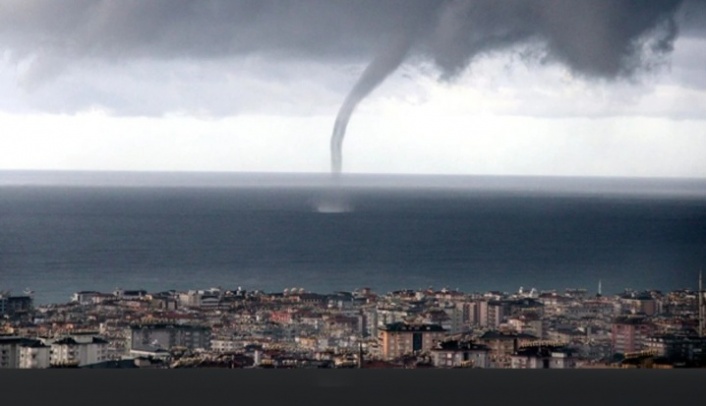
(701, 305)
(600, 290)
(360, 355)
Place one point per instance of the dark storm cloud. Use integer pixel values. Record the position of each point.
(596, 38)
(593, 38)
(203, 28)
(691, 18)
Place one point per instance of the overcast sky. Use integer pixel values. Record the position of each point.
(547, 87)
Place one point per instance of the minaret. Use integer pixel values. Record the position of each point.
(360, 355)
(701, 305)
(600, 293)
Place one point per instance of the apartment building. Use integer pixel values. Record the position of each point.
(628, 333)
(168, 336)
(455, 353)
(542, 357)
(78, 350)
(398, 339)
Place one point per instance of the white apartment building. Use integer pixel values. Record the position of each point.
(168, 336)
(78, 350)
(34, 355)
(542, 358)
(9, 352)
(452, 354)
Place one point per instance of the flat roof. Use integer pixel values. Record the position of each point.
(404, 327)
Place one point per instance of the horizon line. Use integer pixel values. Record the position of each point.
(343, 174)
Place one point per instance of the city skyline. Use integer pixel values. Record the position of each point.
(422, 328)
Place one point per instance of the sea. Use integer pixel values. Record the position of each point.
(64, 232)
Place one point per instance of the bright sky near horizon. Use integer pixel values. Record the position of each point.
(100, 91)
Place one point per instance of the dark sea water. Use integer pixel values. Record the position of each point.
(70, 232)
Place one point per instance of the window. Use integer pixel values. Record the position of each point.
(416, 341)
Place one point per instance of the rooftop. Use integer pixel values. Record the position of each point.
(495, 335)
(413, 327)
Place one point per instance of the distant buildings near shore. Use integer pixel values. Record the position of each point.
(361, 329)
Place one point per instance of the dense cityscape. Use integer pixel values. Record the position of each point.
(426, 328)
